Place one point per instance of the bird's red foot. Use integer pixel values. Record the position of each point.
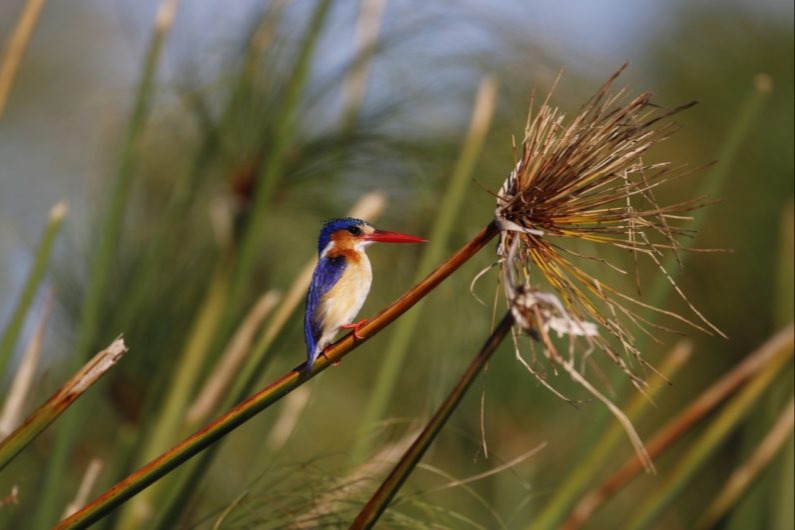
(355, 327)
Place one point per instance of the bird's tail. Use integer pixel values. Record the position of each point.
(310, 361)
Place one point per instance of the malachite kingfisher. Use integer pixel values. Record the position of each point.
(341, 281)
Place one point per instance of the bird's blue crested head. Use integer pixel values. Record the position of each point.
(354, 226)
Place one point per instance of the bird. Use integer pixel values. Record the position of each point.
(341, 281)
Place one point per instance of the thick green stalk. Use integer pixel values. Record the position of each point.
(704, 447)
(201, 440)
(395, 355)
(380, 500)
(274, 162)
(12, 444)
(32, 283)
(582, 474)
(49, 497)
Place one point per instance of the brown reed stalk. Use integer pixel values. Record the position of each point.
(380, 500)
(15, 48)
(201, 440)
(779, 346)
(744, 476)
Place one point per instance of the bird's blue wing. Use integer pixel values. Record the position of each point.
(326, 275)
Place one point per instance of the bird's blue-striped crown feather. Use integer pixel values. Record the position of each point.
(331, 226)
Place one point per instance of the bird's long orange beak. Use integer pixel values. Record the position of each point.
(382, 236)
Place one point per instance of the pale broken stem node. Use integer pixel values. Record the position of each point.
(94, 369)
(90, 373)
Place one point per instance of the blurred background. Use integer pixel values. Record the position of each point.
(200, 154)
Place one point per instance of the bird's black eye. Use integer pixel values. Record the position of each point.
(355, 230)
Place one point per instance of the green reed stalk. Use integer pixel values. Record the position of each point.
(777, 347)
(183, 192)
(204, 438)
(380, 500)
(270, 174)
(32, 283)
(438, 241)
(583, 472)
(755, 509)
(110, 229)
(704, 447)
(744, 477)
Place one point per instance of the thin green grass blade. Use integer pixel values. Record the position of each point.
(704, 447)
(167, 425)
(206, 437)
(32, 283)
(583, 472)
(49, 498)
(714, 181)
(261, 38)
(183, 193)
(393, 359)
(380, 500)
(272, 167)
